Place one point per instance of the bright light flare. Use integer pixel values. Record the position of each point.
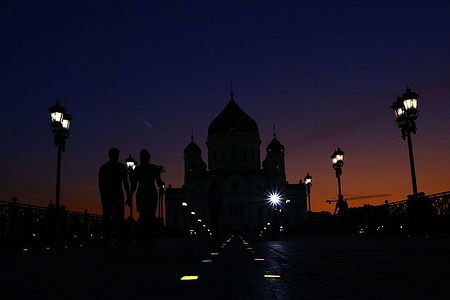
(274, 198)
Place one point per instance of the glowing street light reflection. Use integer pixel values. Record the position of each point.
(189, 277)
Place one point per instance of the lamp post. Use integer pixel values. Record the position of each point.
(131, 165)
(308, 184)
(405, 111)
(60, 122)
(338, 162)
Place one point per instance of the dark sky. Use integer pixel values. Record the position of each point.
(141, 73)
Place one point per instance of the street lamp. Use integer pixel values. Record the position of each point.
(308, 184)
(60, 122)
(337, 159)
(131, 165)
(405, 111)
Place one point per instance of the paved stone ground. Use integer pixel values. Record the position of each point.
(310, 267)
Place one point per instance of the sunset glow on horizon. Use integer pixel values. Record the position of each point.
(143, 75)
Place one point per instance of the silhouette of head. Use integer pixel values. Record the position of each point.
(145, 156)
(113, 154)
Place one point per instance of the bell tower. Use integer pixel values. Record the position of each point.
(194, 166)
(274, 162)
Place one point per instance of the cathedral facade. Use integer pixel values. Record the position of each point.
(231, 193)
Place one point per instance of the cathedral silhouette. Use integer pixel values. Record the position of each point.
(232, 192)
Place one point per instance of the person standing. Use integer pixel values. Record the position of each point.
(143, 180)
(112, 180)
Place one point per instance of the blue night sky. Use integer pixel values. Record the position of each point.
(141, 73)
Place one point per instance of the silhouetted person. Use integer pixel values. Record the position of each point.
(143, 179)
(112, 179)
(341, 207)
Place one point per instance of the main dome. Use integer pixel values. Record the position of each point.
(232, 120)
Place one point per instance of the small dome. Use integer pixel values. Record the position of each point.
(275, 146)
(192, 150)
(232, 119)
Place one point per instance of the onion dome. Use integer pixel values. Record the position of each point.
(232, 120)
(192, 149)
(275, 146)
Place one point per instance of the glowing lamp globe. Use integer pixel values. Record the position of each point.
(410, 102)
(56, 113)
(66, 120)
(130, 162)
(308, 179)
(338, 157)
